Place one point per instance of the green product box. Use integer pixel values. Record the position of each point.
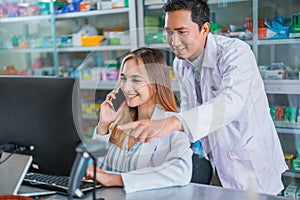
(126, 3)
(295, 24)
(287, 112)
(44, 8)
(272, 112)
(154, 38)
(293, 115)
(296, 163)
(214, 28)
(152, 21)
(114, 41)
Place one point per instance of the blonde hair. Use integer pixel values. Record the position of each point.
(156, 70)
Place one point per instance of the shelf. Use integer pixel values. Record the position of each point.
(228, 1)
(25, 19)
(98, 85)
(32, 50)
(279, 41)
(92, 13)
(69, 49)
(282, 86)
(159, 5)
(85, 48)
(288, 131)
(159, 46)
(59, 20)
(250, 42)
(95, 48)
(271, 86)
(65, 15)
(290, 173)
(165, 45)
(110, 85)
(286, 124)
(89, 116)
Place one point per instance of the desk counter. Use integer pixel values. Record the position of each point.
(189, 192)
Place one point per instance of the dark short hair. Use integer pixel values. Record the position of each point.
(199, 9)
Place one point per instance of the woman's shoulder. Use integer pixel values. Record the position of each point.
(159, 113)
(178, 134)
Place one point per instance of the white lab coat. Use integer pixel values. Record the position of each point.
(164, 162)
(233, 123)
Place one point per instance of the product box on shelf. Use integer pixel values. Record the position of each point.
(285, 116)
(289, 159)
(290, 191)
(275, 74)
(93, 74)
(154, 38)
(80, 40)
(12, 9)
(298, 194)
(19, 9)
(117, 37)
(295, 26)
(64, 41)
(113, 35)
(44, 7)
(28, 10)
(85, 6)
(106, 5)
(96, 73)
(119, 3)
(99, 73)
(296, 163)
(74, 6)
(273, 71)
(153, 32)
(89, 107)
(152, 21)
(262, 29)
(277, 28)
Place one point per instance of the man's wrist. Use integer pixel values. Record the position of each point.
(175, 123)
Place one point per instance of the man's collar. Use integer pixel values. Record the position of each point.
(197, 63)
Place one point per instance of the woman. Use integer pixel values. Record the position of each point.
(163, 162)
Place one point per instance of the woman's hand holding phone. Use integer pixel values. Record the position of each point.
(118, 99)
(107, 114)
(108, 110)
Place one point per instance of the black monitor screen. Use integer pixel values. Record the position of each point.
(43, 112)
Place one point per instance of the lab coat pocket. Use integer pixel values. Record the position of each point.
(215, 87)
(247, 162)
(214, 90)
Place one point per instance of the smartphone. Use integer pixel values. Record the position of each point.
(120, 98)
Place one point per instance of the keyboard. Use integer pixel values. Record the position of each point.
(55, 183)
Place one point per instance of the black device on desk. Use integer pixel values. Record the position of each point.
(43, 112)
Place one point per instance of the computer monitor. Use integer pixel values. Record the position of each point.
(43, 112)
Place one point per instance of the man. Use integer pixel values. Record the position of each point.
(223, 102)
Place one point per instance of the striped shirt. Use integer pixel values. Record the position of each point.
(121, 160)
